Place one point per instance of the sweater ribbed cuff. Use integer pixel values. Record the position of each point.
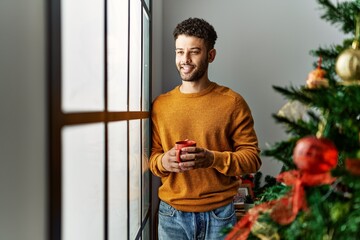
(220, 160)
(159, 164)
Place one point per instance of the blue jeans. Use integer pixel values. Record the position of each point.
(178, 225)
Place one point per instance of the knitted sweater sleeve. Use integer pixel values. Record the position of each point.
(157, 151)
(244, 158)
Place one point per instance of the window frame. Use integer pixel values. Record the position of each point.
(57, 119)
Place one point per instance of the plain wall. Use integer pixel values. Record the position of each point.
(260, 43)
(23, 120)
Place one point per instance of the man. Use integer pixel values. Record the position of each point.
(197, 193)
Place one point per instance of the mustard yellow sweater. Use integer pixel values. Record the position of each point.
(218, 119)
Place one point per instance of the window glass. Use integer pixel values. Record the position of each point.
(83, 182)
(146, 63)
(145, 167)
(135, 56)
(135, 175)
(117, 180)
(117, 55)
(82, 57)
(146, 232)
(147, 2)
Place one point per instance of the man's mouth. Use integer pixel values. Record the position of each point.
(187, 68)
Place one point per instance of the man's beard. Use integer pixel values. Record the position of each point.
(195, 75)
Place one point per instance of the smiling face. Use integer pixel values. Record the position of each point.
(192, 58)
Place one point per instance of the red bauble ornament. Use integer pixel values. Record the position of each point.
(315, 155)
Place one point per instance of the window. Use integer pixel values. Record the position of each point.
(99, 110)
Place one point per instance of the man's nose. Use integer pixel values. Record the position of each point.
(186, 58)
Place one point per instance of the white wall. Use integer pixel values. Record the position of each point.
(22, 120)
(260, 43)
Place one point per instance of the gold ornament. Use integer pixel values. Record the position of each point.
(348, 64)
(264, 231)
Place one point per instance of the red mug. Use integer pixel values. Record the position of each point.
(181, 144)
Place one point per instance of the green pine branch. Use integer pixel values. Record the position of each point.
(299, 127)
(341, 14)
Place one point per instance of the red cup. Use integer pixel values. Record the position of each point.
(181, 144)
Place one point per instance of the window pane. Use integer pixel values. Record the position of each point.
(83, 182)
(82, 39)
(146, 231)
(134, 168)
(147, 3)
(117, 180)
(146, 62)
(135, 55)
(145, 168)
(117, 55)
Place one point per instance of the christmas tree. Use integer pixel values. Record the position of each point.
(317, 193)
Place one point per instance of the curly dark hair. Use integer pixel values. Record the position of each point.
(197, 27)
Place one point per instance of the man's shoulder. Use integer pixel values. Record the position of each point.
(226, 91)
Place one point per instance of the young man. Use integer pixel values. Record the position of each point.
(197, 193)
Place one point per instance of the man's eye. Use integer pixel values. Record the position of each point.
(194, 52)
(179, 52)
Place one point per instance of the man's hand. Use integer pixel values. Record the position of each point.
(191, 158)
(195, 157)
(169, 161)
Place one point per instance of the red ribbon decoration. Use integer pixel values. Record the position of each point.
(284, 210)
(287, 208)
(242, 229)
(353, 165)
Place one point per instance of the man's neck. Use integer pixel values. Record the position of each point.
(194, 87)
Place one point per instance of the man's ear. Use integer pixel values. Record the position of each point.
(211, 55)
